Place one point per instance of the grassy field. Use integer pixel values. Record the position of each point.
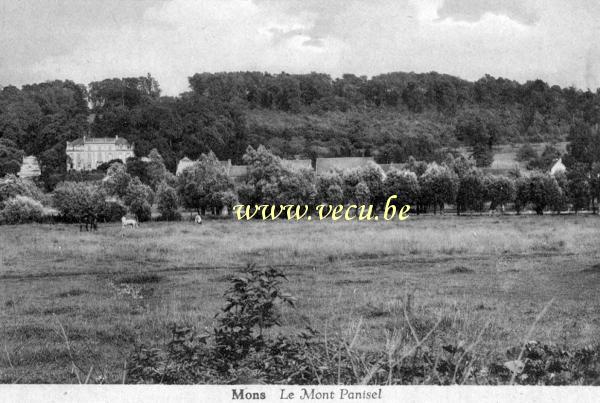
(482, 275)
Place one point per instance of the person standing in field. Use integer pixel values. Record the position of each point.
(198, 219)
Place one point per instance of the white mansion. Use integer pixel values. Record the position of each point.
(87, 153)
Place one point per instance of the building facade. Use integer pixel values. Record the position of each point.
(87, 153)
(30, 168)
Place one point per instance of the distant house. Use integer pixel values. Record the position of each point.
(388, 167)
(325, 165)
(29, 168)
(558, 168)
(186, 163)
(87, 153)
(183, 164)
(237, 172)
(298, 164)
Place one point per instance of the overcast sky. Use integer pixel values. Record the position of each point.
(87, 40)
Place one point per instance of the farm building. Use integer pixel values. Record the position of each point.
(29, 168)
(558, 167)
(237, 172)
(324, 165)
(298, 164)
(185, 163)
(87, 153)
(388, 167)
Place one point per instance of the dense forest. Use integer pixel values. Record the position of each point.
(391, 116)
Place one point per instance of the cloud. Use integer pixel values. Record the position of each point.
(474, 10)
(173, 39)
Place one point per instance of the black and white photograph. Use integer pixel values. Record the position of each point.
(286, 200)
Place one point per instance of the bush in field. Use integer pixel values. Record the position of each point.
(373, 176)
(499, 190)
(168, 202)
(268, 181)
(403, 184)
(226, 199)
(543, 192)
(240, 351)
(351, 179)
(141, 209)
(77, 201)
(361, 195)
(561, 202)
(297, 187)
(139, 198)
(330, 189)
(521, 193)
(20, 210)
(595, 185)
(12, 186)
(198, 184)
(578, 187)
(438, 186)
(471, 192)
(111, 211)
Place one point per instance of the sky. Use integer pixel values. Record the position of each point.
(89, 40)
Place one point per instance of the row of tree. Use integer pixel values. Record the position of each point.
(206, 186)
(390, 116)
(425, 186)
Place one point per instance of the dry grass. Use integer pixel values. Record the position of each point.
(110, 292)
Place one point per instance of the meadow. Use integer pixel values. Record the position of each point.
(68, 296)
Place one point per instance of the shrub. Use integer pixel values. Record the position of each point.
(438, 186)
(111, 211)
(141, 209)
(12, 186)
(168, 202)
(404, 184)
(330, 189)
(20, 210)
(198, 184)
(77, 201)
(500, 190)
(543, 191)
(471, 192)
(238, 352)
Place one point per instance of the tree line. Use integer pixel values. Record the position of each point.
(206, 187)
(390, 116)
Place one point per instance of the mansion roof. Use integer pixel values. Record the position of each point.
(99, 140)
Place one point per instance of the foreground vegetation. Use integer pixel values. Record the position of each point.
(481, 282)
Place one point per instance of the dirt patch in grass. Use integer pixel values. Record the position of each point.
(142, 278)
(372, 311)
(59, 310)
(344, 282)
(460, 270)
(221, 279)
(71, 293)
(33, 331)
(592, 269)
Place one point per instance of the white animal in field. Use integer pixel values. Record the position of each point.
(198, 219)
(126, 222)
